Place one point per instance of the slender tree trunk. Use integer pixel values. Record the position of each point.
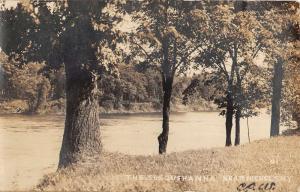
(276, 98)
(229, 118)
(167, 84)
(238, 112)
(229, 98)
(81, 139)
(163, 137)
(42, 97)
(37, 104)
(248, 129)
(237, 126)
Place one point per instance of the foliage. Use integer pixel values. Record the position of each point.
(291, 95)
(26, 83)
(230, 45)
(163, 36)
(282, 22)
(234, 41)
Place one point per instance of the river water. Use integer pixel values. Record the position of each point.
(29, 145)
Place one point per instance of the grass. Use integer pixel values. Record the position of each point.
(207, 170)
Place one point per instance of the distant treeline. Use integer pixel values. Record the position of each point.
(134, 89)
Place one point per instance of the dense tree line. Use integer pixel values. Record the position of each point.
(236, 48)
(134, 85)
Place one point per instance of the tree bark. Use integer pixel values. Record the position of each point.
(229, 117)
(237, 126)
(81, 139)
(168, 73)
(163, 137)
(229, 97)
(276, 98)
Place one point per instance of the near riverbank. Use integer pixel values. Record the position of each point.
(270, 163)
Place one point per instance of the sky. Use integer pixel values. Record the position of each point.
(11, 3)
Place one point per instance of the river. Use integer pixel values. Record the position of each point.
(29, 145)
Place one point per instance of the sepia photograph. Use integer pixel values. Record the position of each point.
(150, 95)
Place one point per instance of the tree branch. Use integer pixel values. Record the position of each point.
(259, 46)
(142, 48)
(187, 55)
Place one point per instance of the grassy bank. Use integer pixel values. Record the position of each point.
(207, 170)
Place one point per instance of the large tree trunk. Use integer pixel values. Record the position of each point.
(163, 137)
(81, 139)
(276, 98)
(229, 117)
(237, 126)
